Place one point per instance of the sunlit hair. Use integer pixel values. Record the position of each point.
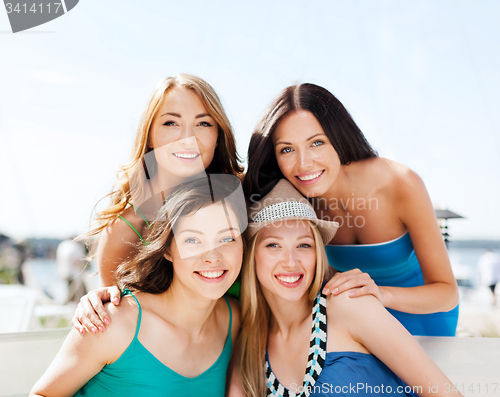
(345, 136)
(225, 160)
(149, 270)
(256, 314)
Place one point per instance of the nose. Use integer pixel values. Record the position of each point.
(305, 159)
(290, 261)
(211, 256)
(187, 132)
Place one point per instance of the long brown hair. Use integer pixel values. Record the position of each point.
(255, 315)
(345, 136)
(225, 160)
(149, 270)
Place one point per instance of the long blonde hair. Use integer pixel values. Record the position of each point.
(256, 315)
(225, 160)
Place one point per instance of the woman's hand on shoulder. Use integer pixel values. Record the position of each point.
(354, 281)
(90, 314)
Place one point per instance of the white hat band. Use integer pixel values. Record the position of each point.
(286, 209)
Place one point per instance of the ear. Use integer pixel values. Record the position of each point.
(167, 255)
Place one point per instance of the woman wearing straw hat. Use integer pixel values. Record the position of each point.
(355, 344)
(389, 244)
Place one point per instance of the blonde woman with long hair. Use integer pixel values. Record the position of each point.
(295, 341)
(183, 134)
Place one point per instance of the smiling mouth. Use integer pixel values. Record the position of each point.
(289, 279)
(188, 156)
(211, 274)
(310, 177)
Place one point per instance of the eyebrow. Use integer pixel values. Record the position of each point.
(282, 238)
(199, 232)
(308, 139)
(199, 116)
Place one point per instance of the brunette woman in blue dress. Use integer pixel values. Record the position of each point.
(389, 244)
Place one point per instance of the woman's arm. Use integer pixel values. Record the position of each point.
(440, 291)
(83, 355)
(80, 358)
(117, 242)
(413, 207)
(369, 324)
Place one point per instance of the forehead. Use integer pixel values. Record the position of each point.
(301, 123)
(180, 98)
(209, 219)
(287, 229)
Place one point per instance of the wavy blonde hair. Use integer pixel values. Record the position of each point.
(256, 314)
(225, 160)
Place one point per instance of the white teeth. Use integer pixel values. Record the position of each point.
(288, 279)
(186, 155)
(215, 274)
(309, 177)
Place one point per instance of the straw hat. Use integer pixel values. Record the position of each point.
(283, 203)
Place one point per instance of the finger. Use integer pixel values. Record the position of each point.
(350, 284)
(332, 284)
(335, 283)
(100, 311)
(88, 317)
(366, 290)
(355, 292)
(77, 324)
(115, 294)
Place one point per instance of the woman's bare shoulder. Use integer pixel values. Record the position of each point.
(344, 309)
(390, 176)
(120, 230)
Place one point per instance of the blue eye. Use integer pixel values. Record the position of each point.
(286, 150)
(228, 240)
(305, 245)
(191, 240)
(272, 245)
(205, 124)
(169, 123)
(317, 143)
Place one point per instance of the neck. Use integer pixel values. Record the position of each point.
(185, 309)
(343, 184)
(287, 316)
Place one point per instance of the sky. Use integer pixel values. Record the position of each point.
(421, 79)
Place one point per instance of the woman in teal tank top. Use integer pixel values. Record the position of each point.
(174, 335)
(307, 136)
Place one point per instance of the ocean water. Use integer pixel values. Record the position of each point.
(464, 263)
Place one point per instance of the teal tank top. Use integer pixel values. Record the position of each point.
(394, 264)
(137, 372)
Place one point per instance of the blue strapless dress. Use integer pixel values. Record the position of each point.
(394, 264)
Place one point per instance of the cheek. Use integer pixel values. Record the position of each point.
(309, 263)
(261, 270)
(285, 164)
(207, 143)
(159, 138)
